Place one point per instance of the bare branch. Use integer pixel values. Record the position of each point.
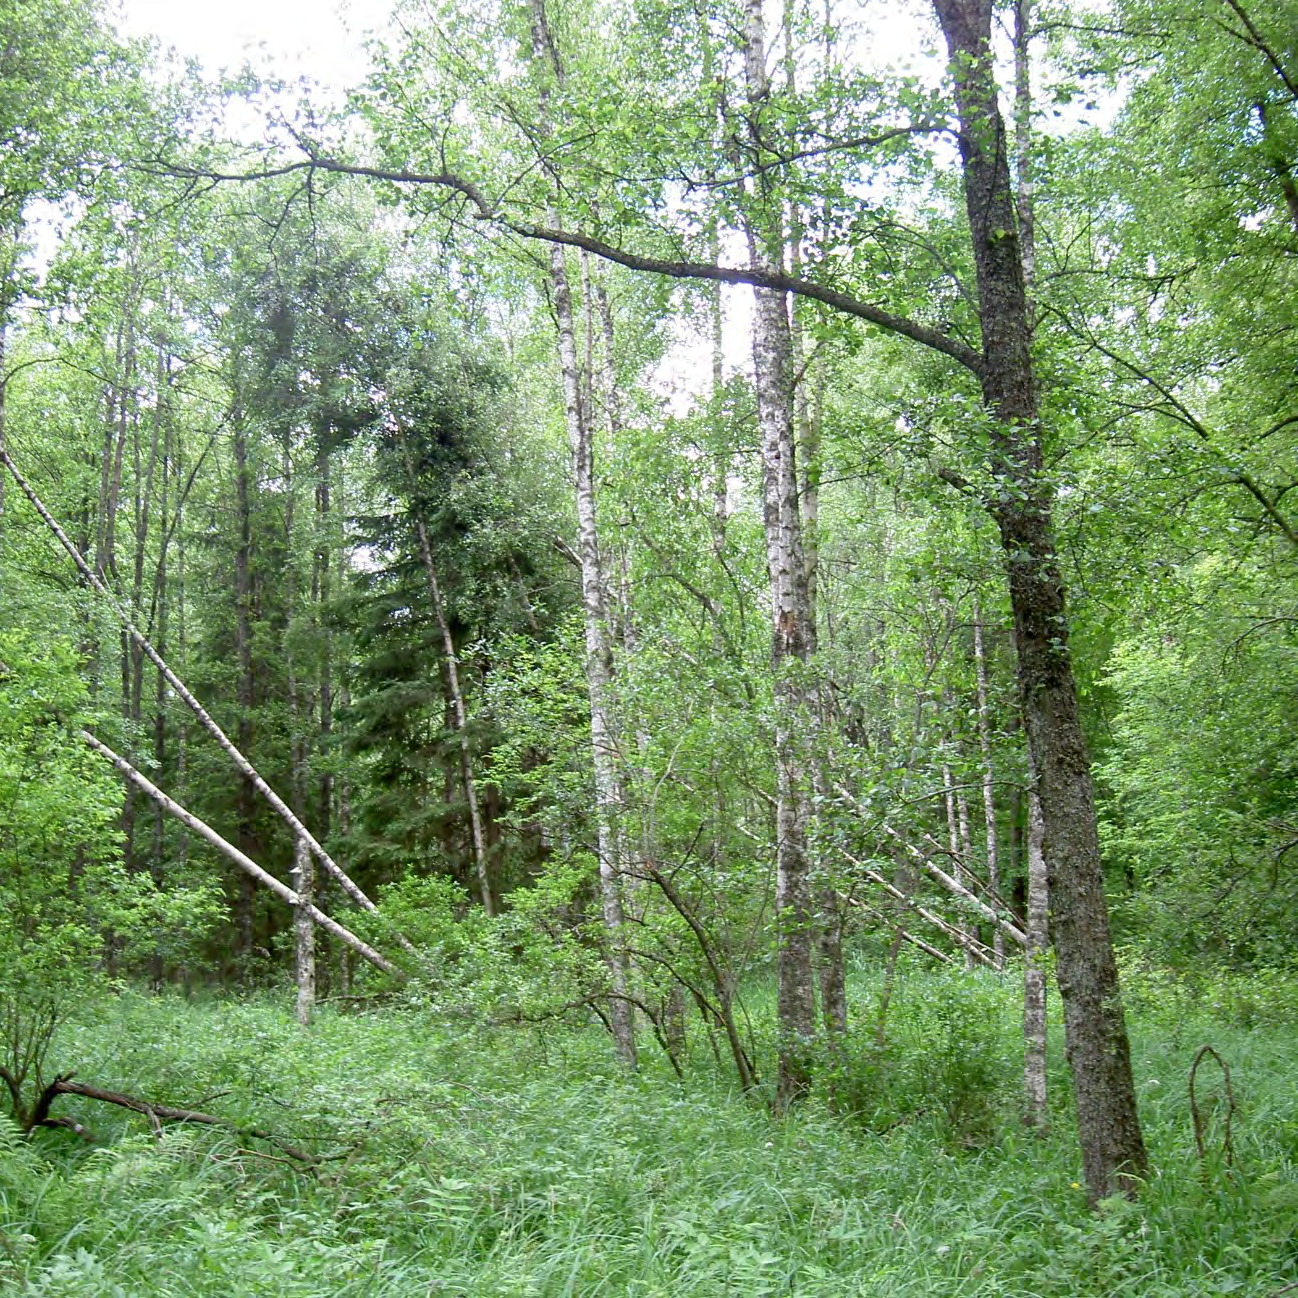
(485, 210)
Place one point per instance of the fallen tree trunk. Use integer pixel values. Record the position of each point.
(940, 876)
(903, 934)
(964, 941)
(245, 767)
(957, 889)
(157, 1114)
(244, 862)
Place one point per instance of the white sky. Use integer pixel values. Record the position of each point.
(321, 39)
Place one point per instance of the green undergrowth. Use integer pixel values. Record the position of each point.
(461, 1161)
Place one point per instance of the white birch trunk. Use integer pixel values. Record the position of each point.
(966, 943)
(966, 851)
(953, 841)
(599, 654)
(242, 764)
(304, 931)
(829, 919)
(1035, 1113)
(599, 663)
(243, 861)
(956, 888)
(792, 634)
(989, 776)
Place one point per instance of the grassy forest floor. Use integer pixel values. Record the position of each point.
(507, 1161)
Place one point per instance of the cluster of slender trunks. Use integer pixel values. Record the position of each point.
(1062, 823)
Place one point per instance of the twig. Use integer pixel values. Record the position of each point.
(1227, 1148)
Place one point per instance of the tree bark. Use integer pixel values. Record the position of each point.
(1113, 1151)
(599, 654)
(793, 636)
(304, 931)
(968, 944)
(957, 889)
(1035, 1113)
(599, 665)
(204, 718)
(989, 775)
(1023, 188)
(244, 862)
(957, 833)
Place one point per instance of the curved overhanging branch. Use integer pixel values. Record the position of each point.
(483, 209)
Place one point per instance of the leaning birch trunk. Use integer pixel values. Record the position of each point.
(244, 862)
(961, 939)
(957, 889)
(1035, 1114)
(205, 719)
(792, 633)
(599, 657)
(304, 931)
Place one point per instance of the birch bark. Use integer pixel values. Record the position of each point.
(303, 875)
(243, 861)
(793, 635)
(594, 598)
(989, 777)
(599, 664)
(204, 718)
(301, 710)
(1035, 1113)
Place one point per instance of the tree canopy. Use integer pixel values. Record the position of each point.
(648, 508)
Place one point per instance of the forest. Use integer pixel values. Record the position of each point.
(654, 654)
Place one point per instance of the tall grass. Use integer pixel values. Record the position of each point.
(496, 1162)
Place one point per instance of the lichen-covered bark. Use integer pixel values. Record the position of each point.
(793, 635)
(304, 931)
(599, 654)
(1113, 1150)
